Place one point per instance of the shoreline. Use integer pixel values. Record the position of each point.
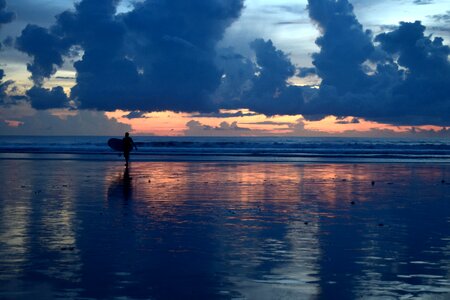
(301, 159)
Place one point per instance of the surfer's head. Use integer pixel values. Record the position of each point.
(127, 134)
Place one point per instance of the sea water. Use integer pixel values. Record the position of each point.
(289, 149)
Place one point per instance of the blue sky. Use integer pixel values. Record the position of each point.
(311, 59)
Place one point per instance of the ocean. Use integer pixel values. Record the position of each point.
(262, 149)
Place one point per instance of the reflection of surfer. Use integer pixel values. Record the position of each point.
(126, 184)
(121, 188)
(128, 145)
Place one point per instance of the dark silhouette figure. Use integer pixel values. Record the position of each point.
(128, 145)
(126, 184)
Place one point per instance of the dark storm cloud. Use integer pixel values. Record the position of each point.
(4, 85)
(404, 80)
(177, 49)
(344, 45)
(46, 50)
(42, 98)
(238, 72)
(160, 55)
(421, 55)
(5, 15)
(267, 91)
(425, 91)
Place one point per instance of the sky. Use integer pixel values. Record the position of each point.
(225, 67)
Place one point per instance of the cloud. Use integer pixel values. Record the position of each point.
(266, 90)
(268, 123)
(238, 72)
(424, 90)
(83, 123)
(65, 77)
(305, 72)
(344, 45)
(5, 86)
(224, 114)
(345, 121)
(158, 56)
(445, 18)
(5, 15)
(136, 115)
(195, 128)
(8, 41)
(403, 80)
(42, 98)
(298, 128)
(423, 2)
(46, 49)
(161, 55)
(292, 22)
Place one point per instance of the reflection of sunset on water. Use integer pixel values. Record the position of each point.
(171, 185)
(238, 230)
(287, 221)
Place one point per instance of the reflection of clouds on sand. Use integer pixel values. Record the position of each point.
(389, 235)
(58, 233)
(38, 220)
(445, 262)
(15, 218)
(225, 230)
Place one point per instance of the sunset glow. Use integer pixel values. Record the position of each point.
(174, 124)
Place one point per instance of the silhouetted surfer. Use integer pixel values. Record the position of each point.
(128, 145)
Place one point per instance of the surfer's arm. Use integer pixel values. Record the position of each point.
(134, 145)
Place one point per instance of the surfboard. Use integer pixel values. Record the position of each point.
(116, 144)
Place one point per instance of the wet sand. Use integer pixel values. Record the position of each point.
(190, 230)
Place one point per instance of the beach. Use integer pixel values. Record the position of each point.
(223, 230)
